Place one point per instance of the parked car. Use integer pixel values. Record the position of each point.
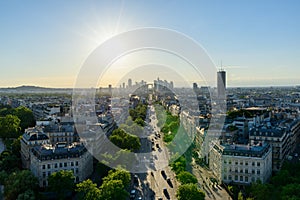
(163, 173)
(132, 194)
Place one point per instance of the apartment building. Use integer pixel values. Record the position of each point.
(47, 159)
(241, 164)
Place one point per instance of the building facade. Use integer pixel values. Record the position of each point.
(31, 138)
(241, 164)
(47, 159)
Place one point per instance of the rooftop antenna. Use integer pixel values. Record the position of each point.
(221, 66)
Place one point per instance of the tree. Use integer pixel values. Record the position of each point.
(261, 191)
(61, 182)
(19, 182)
(186, 177)
(189, 192)
(9, 126)
(27, 195)
(26, 116)
(9, 162)
(291, 191)
(240, 196)
(124, 140)
(140, 121)
(119, 174)
(113, 189)
(179, 164)
(88, 190)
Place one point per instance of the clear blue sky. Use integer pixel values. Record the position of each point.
(45, 42)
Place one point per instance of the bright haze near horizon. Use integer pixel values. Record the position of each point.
(45, 43)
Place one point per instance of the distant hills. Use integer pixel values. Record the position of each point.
(34, 89)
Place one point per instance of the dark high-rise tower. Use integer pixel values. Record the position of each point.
(221, 79)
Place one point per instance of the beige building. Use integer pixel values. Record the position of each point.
(31, 138)
(241, 164)
(48, 159)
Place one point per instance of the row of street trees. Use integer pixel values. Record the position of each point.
(18, 183)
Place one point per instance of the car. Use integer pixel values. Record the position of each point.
(166, 193)
(169, 182)
(163, 173)
(132, 194)
(139, 198)
(157, 146)
(159, 198)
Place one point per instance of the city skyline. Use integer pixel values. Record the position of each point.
(46, 43)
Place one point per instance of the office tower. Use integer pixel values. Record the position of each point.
(221, 81)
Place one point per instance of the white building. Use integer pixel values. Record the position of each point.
(241, 164)
(48, 159)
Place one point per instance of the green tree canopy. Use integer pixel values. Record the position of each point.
(119, 174)
(20, 182)
(189, 192)
(112, 190)
(26, 116)
(88, 190)
(185, 177)
(9, 126)
(9, 162)
(125, 140)
(61, 182)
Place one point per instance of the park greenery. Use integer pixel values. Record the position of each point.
(125, 140)
(168, 123)
(113, 187)
(138, 114)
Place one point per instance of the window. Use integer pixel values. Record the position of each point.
(253, 171)
(60, 164)
(258, 171)
(72, 164)
(246, 171)
(43, 166)
(55, 165)
(49, 166)
(241, 170)
(241, 163)
(246, 163)
(258, 164)
(49, 173)
(241, 178)
(253, 163)
(229, 177)
(246, 179)
(235, 177)
(44, 174)
(236, 163)
(65, 164)
(76, 170)
(76, 163)
(236, 170)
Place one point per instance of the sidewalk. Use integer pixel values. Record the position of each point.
(211, 192)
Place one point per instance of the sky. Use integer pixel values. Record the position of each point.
(46, 43)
